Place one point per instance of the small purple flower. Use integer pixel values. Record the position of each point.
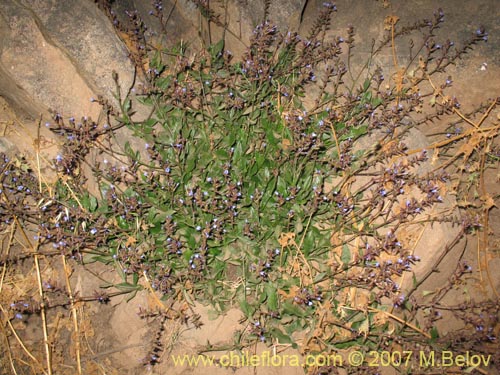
(330, 5)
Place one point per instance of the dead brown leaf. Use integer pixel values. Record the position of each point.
(390, 21)
(286, 239)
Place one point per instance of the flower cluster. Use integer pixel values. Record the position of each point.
(238, 179)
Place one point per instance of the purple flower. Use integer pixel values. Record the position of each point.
(330, 5)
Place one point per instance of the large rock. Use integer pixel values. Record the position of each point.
(56, 56)
(63, 53)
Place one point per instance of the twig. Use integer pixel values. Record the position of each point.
(437, 263)
(111, 351)
(43, 314)
(166, 309)
(484, 238)
(452, 139)
(4, 270)
(402, 321)
(34, 249)
(67, 273)
(37, 142)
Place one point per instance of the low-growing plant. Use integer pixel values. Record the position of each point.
(237, 188)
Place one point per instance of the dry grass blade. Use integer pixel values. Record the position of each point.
(34, 250)
(67, 274)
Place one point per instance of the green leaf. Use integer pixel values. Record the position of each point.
(163, 82)
(345, 345)
(130, 152)
(246, 308)
(355, 133)
(216, 49)
(122, 223)
(127, 105)
(89, 202)
(222, 154)
(291, 309)
(256, 114)
(320, 277)
(148, 124)
(434, 334)
(346, 255)
(156, 61)
(282, 338)
(131, 295)
(299, 226)
(272, 297)
(366, 84)
(127, 287)
(191, 163)
(91, 258)
(376, 102)
(308, 244)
